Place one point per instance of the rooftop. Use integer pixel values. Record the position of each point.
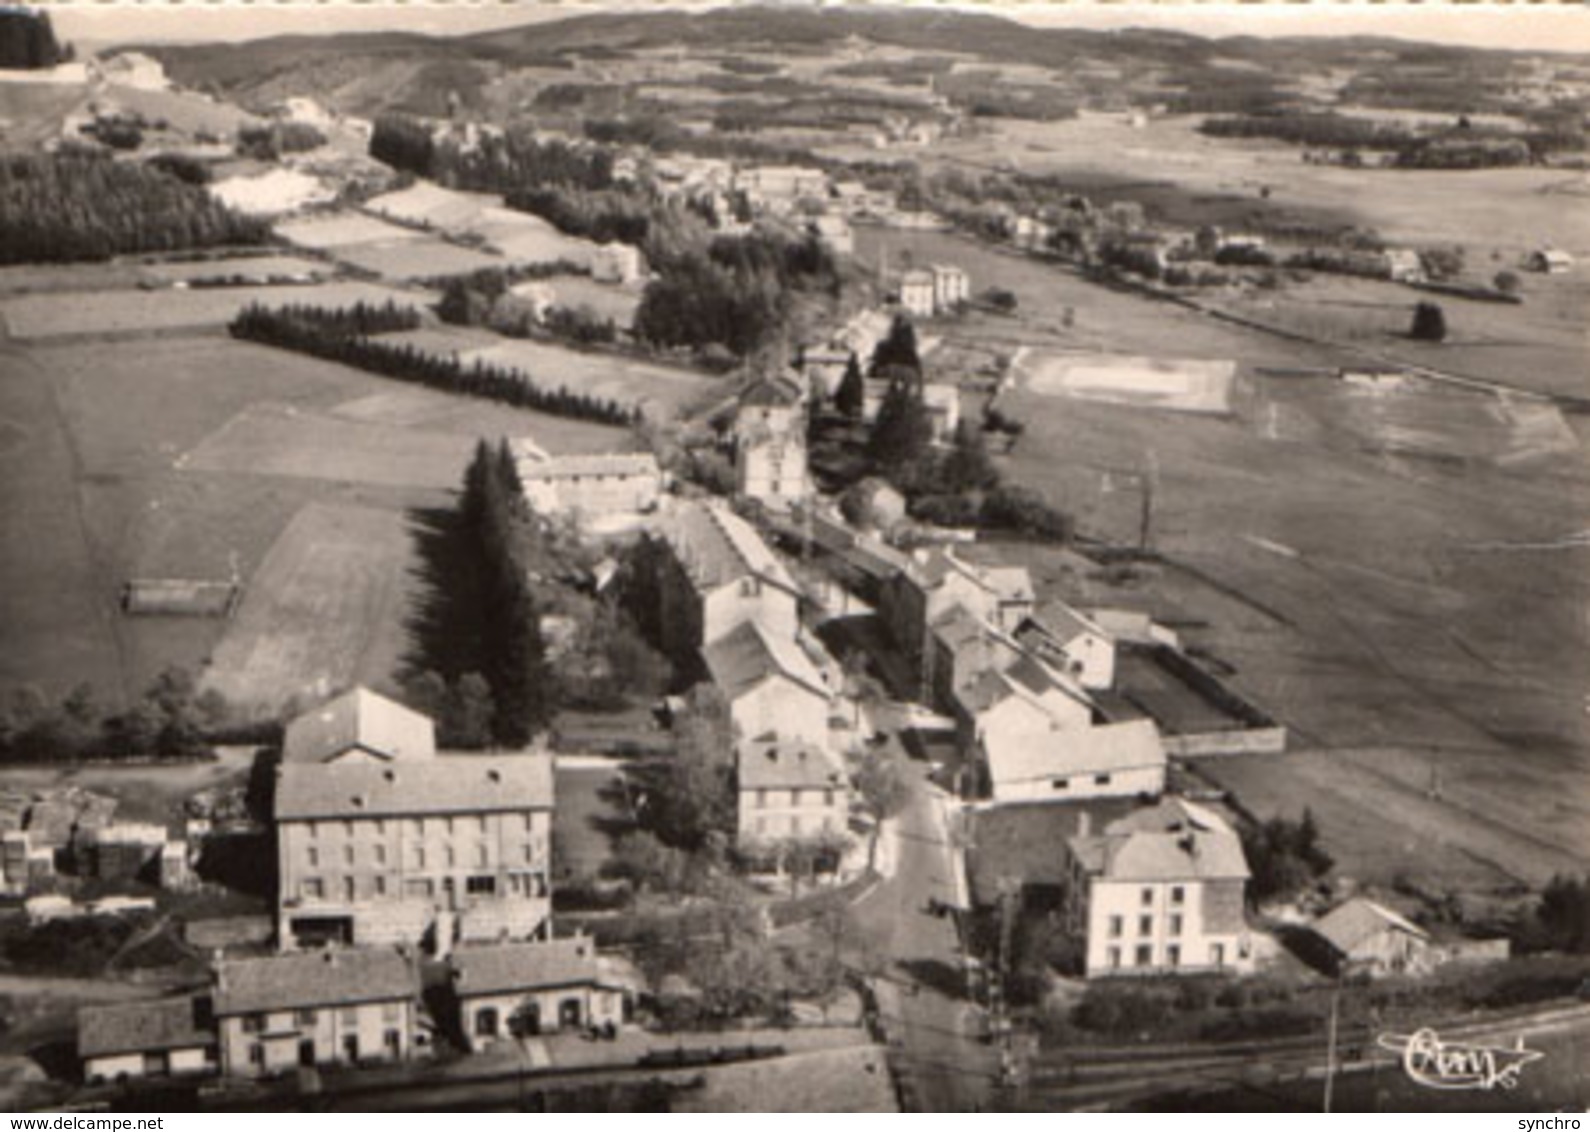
(525, 966)
(1107, 749)
(1171, 840)
(717, 547)
(595, 464)
(1063, 623)
(313, 978)
(145, 1025)
(457, 784)
(1348, 925)
(771, 392)
(362, 720)
(787, 764)
(749, 654)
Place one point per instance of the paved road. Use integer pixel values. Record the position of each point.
(932, 1026)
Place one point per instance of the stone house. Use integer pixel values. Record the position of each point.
(771, 684)
(789, 788)
(166, 1037)
(516, 990)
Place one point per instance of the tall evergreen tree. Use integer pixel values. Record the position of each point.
(898, 348)
(851, 396)
(969, 467)
(903, 432)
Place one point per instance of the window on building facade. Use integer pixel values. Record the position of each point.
(482, 821)
(1145, 955)
(310, 829)
(529, 822)
(1178, 894)
(1145, 925)
(1217, 954)
(253, 1023)
(419, 856)
(1117, 926)
(1061, 784)
(256, 1054)
(761, 799)
(1175, 924)
(380, 886)
(529, 853)
(480, 886)
(380, 827)
(347, 854)
(828, 798)
(450, 856)
(313, 888)
(347, 829)
(304, 1017)
(380, 854)
(313, 856)
(1146, 897)
(1113, 956)
(347, 888)
(1101, 780)
(1173, 956)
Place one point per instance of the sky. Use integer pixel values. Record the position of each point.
(1562, 25)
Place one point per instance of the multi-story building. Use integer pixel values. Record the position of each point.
(933, 585)
(789, 789)
(718, 574)
(413, 852)
(331, 1007)
(359, 726)
(951, 286)
(770, 444)
(916, 293)
(515, 990)
(771, 684)
(591, 486)
(1160, 891)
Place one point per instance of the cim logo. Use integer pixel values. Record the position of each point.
(1435, 1064)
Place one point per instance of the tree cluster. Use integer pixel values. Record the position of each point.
(1562, 919)
(168, 722)
(321, 335)
(689, 803)
(513, 161)
(462, 709)
(603, 216)
(27, 40)
(1284, 856)
(501, 528)
(79, 206)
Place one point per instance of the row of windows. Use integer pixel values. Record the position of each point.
(1065, 783)
(308, 1054)
(419, 857)
(518, 884)
(347, 1015)
(794, 823)
(419, 827)
(1178, 895)
(795, 797)
(1145, 925)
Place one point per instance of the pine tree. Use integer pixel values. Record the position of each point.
(898, 348)
(851, 396)
(1429, 323)
(969, 467)
(903, 432)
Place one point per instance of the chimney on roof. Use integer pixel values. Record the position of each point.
(493, 775)
(1188, 844)
(389, 774)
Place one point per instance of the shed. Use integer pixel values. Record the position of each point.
(1366, 937)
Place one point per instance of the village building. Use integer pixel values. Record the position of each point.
(163, 1037)
(936, 581)
(963, 647)
(823, 369)
(1071, 641)
(771, 684)
(1006, 706)
(520, 990)
(941, 399)
(591, 486)
(1363, 937)
(861, 334)
(413, 851)
(614, 262)
(1403, 265)
(769, 406)
(777, 188)
(1160, 892)
(124, 851)
(917, 293)
(717, 575)
(359, 726)
(332, 1007)
(789, 789)
(834, 233)
(951, 287)
(770, 444)
(1105, 760)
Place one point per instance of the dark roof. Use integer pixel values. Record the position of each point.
(145, 1025)
(1349, 925)
(312, 979)
(525, 966)
(456, 784)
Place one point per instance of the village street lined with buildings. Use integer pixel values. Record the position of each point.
(622, 614)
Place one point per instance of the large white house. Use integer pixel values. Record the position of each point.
(591, 486)
(771, 684)
(789, 789)
(1160, 891)
(717, 575)
(1071, 641)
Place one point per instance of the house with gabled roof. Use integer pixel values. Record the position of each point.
(1161, 891)
(788, 788)
(518, 990)
(1071, 641)
(717, 575)
(165, 1037)
(1365, 937)
(359, 726)
(770, 683)
(1103, 760)
(331, 1007)
(590, 485)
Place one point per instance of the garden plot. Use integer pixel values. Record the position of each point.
(1182, 384)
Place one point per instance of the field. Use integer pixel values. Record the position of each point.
(258, 266)
(95, 444)
(1158, 383)
(416, 259)
(589, 815)
(42, 316)
(330, 231)
(657, 387)
(323, 611)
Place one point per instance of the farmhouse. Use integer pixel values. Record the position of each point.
(329, 1007)
(359, 726)
(771, 684)
(789, 789)
(1160, 892)
(768, 406)
(717, 575)
(1403, 265)
(413, 851)
(166, 1037)
(916, 293)
(1071, 641)
(1024, 703)
(951, 286)
(770, 444)
(591, 486)
(515, 990)
(1364, 937)
(617, 263)
(1109, 760)
(964, 647)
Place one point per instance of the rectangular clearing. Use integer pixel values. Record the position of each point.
(1183, 384)
(323, 611)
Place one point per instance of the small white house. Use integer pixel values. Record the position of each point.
(1549, 261)
(167, 1037)
(518, 990)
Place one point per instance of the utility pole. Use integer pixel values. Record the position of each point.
(1330, 1048)
(1148, 481)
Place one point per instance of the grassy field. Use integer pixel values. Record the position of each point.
(94, 438)
(416, 259)
(43, 316)
(331, 231)
(324, 610)
(589, 815)
(661, 389)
